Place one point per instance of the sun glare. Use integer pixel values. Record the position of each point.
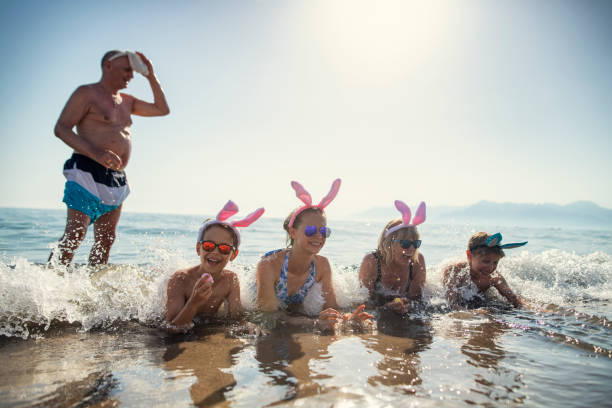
(381, 40)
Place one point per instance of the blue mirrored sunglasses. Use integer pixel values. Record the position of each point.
(405, 243)
(310, 230)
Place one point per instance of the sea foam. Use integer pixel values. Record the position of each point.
(34, 297)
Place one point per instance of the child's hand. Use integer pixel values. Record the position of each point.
(328, 319)
(359, 316)
(399, 305)
(202, 290)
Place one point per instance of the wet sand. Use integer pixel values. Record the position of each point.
(458, 359)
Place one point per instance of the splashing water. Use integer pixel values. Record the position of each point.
(558, 351)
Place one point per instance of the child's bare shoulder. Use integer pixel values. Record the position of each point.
(269, 267)
(181, 281)
(179, 275)
(454, 267)
(182, 276)
(323, 271)
(271, 259)
(452, 270)
(230, 276)
(369, 264)
(322, 264)
(369, 259)
(319, 259)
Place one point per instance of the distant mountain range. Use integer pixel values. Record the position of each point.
(578, 214)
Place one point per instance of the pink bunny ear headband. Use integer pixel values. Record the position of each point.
(419, 217)
(229, 209)
(305, 197)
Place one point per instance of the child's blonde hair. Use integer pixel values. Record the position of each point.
(477, 245)
(384, 242)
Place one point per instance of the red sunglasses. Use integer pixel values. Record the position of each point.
(210, 246)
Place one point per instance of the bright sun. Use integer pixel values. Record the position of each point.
(381, 40)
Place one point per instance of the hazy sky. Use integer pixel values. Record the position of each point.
(450, 102)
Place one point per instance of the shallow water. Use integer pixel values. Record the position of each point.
(79, 337)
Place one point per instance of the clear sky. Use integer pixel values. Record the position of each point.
(450, 102)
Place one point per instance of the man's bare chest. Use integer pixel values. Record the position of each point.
(115, 113)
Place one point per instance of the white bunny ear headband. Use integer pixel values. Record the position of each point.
(305, 197)
(135, 61)
(229, 209)
(419, 217)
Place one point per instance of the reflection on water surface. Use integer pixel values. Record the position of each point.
(462, 358)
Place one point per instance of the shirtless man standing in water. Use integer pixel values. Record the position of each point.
(96, 185)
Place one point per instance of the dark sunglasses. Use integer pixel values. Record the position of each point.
(210, 246)
(310, 230)
(405, 243)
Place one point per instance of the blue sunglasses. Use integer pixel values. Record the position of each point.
(310, 230)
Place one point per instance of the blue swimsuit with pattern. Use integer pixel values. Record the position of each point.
(280, 288)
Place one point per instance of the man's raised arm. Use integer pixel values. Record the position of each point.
(159, 107)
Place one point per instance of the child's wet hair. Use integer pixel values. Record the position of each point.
(384, 242)
(477, 246)
(298, 221)
(220, 225)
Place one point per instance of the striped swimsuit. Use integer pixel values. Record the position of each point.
(92, 188)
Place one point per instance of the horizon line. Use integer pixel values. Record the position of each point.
(367, 209)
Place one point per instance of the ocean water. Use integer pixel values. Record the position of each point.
(81, 337)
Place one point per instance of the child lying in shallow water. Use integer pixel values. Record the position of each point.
(463, 281)
(201, 289)
(286, 277)
(395, 273)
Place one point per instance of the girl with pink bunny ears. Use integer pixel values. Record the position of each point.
(286, 276)
(395, 273)
(201, 289)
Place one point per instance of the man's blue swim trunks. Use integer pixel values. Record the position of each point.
(92, 188)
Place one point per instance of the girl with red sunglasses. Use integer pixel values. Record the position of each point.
(201, 289)
(287, 278)
(395, 273)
